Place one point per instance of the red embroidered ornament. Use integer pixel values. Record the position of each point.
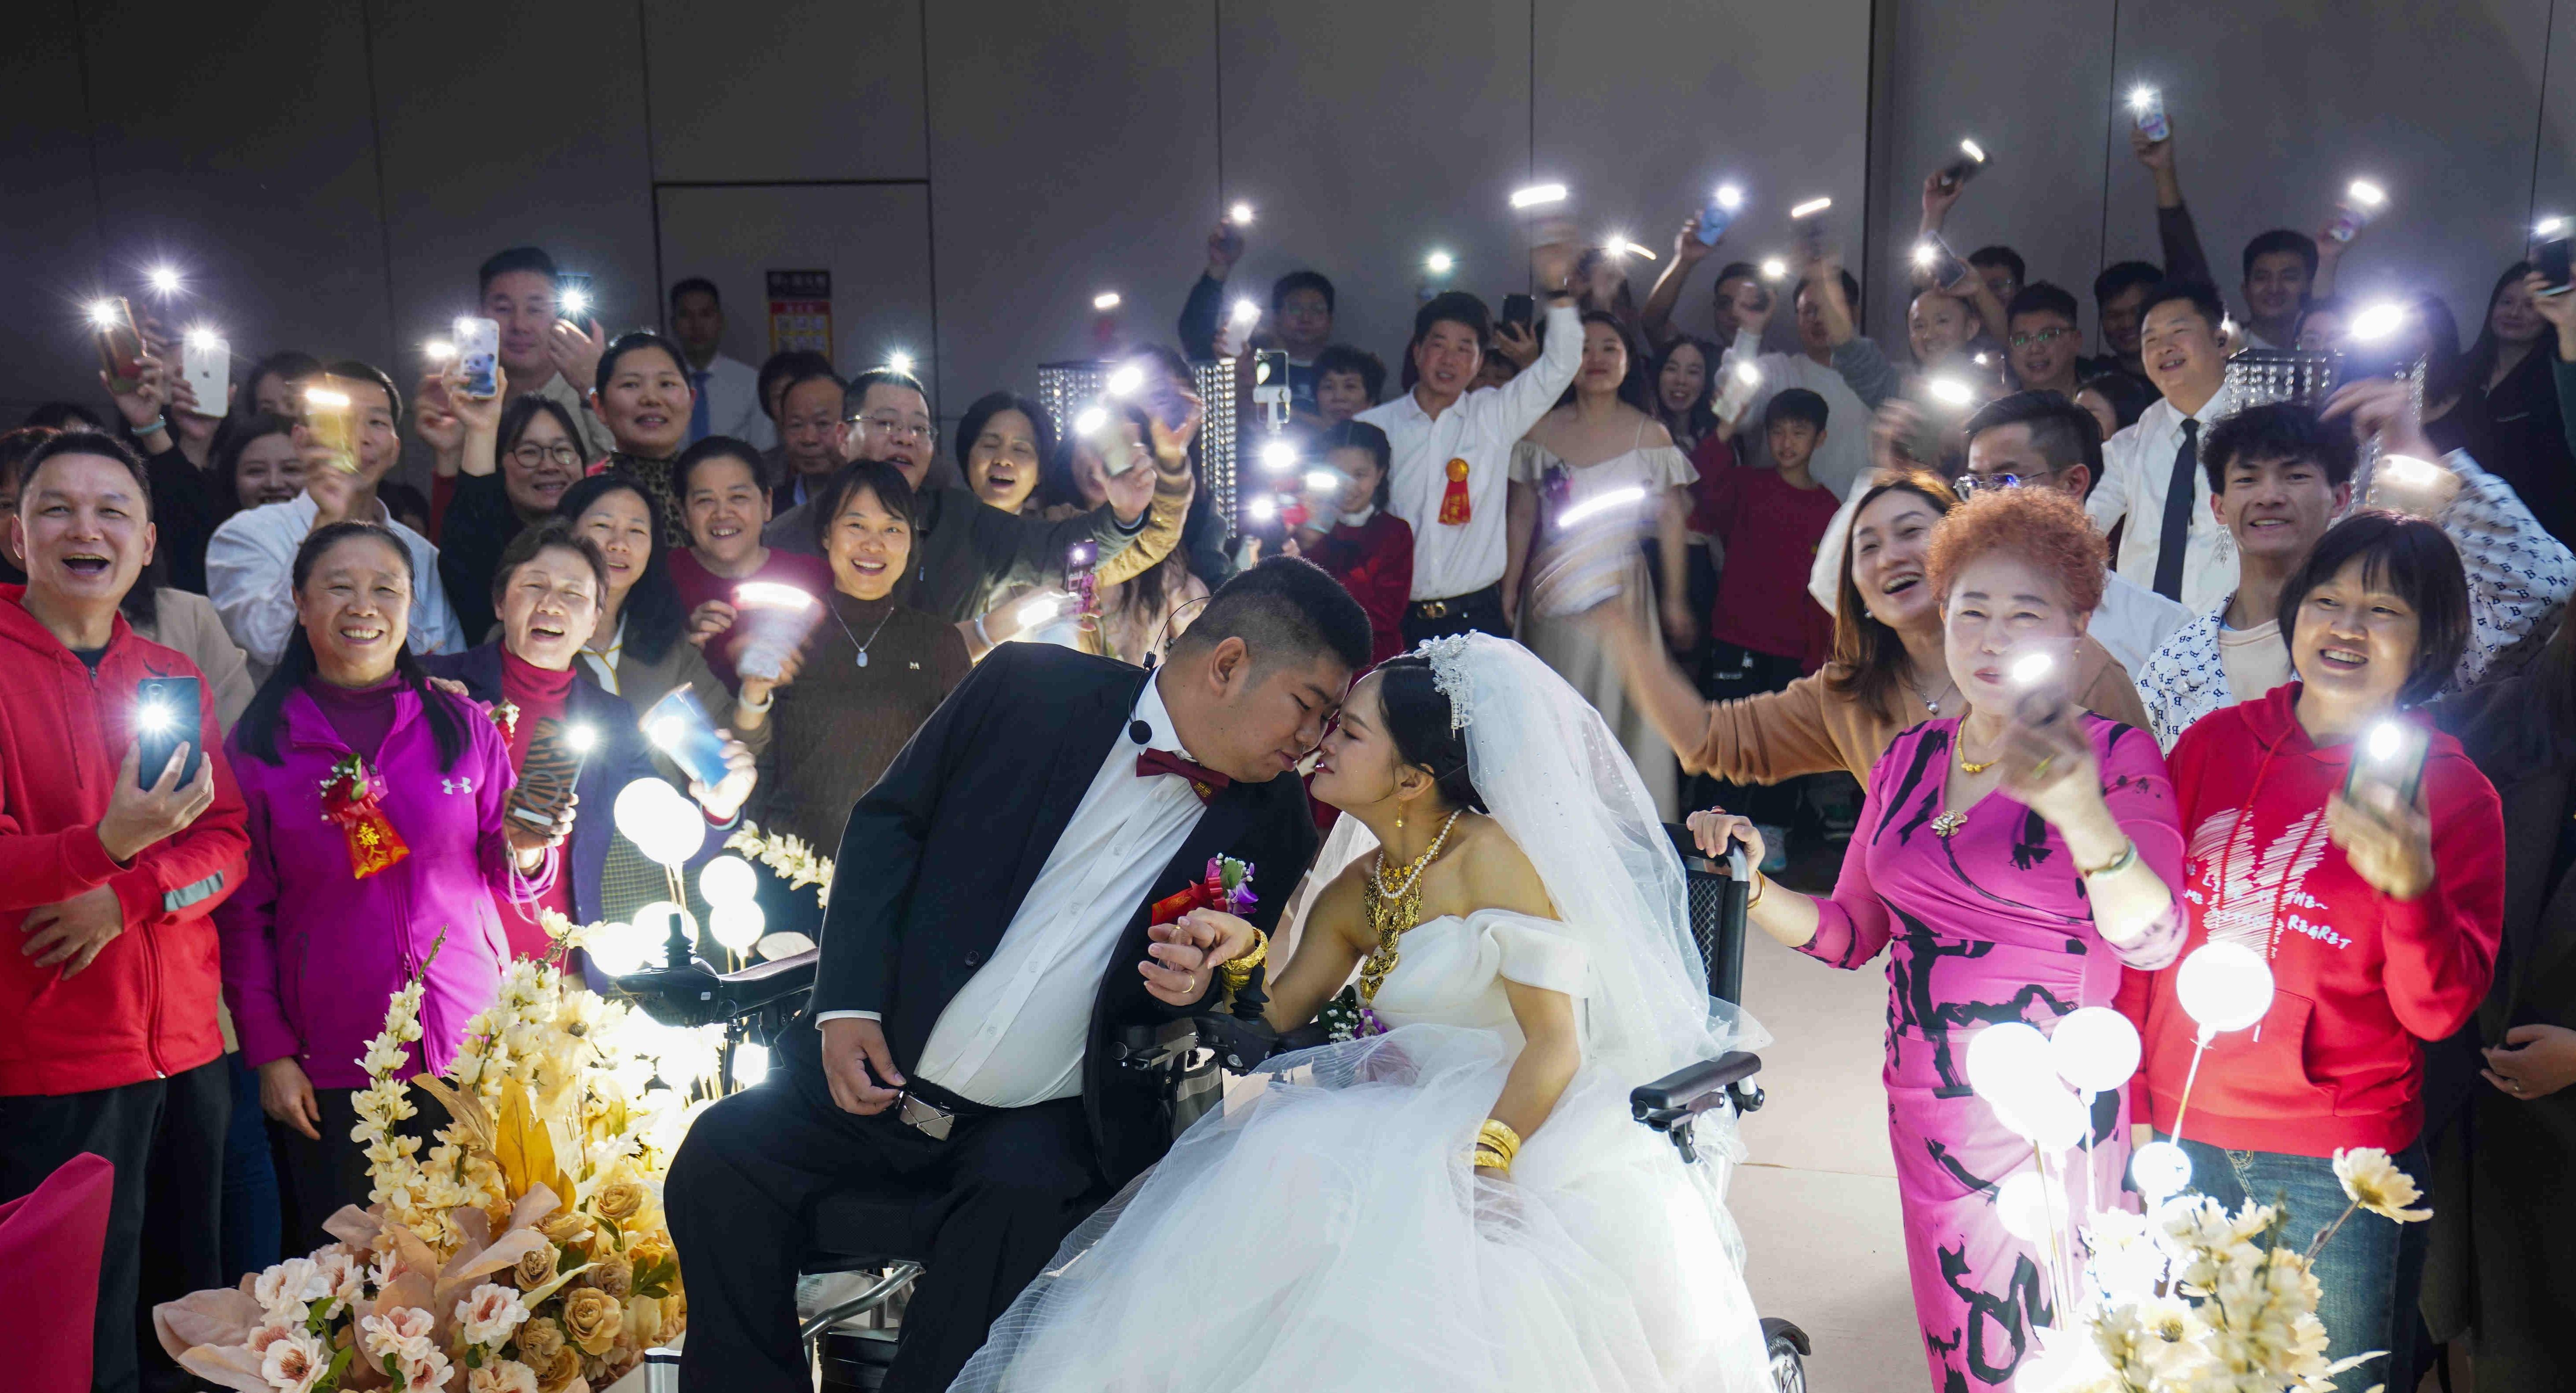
(353, 796)
(1454, 508)
(1227, 887)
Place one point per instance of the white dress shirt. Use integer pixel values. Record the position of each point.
(2132, 622)
(1480, 428)
(1844, 454)
(250, 568)
(2137, 468)
(732, 389)
(1016, 1033)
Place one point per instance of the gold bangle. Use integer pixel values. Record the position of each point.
(1485, 1158)
(1761, 883)
(1498, 1135)
(1238, 973)
(2128, 853)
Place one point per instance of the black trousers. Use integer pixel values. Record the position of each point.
(315, 1178)
(164, 1222)
(1479, 611)
(741, 1197)
(1735, 671)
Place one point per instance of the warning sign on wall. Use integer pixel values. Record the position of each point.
(800, 311)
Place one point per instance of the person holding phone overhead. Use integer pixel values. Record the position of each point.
(2011, 860)
(382, 838)
(2366, 865)
(107, 874)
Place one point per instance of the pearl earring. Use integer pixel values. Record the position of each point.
(1399, 822)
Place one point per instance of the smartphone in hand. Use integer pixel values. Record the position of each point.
(1519, 309)
(478, 352)
(206, 362)
(168, 713)
(120, 342)
(2550, 258)
(678, 725)
(2391, 755)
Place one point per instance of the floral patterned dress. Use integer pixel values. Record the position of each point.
(1987, 925)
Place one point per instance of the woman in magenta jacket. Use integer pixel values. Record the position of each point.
(331, 920)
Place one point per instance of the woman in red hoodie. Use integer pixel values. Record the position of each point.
(2379, 918)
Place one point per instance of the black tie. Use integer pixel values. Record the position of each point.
(2180, 494)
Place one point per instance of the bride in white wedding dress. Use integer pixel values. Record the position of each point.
(1520, 928)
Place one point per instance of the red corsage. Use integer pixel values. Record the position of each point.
(1226, 888)
(353, 796)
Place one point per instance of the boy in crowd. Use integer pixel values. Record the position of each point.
(1765, 631)
(110, 1045)
(2279, 477)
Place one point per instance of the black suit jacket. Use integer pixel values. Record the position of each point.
(937, 857)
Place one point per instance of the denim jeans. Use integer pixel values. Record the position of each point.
(2372, 1271)
(253, 1226)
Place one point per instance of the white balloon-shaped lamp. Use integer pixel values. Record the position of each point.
(736, 924)
(2161, 1169)
(2022, 1203)
(660, 820)
(2005, 1061)
(2045, 1114)
(622, 948)
(727, 880)
(2224, 986)
(2095, 1049)
(750, 1063)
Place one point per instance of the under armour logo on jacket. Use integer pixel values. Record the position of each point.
(465, 785)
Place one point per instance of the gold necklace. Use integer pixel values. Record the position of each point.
(1952, 819)
(1393, 909)
(1959, 747)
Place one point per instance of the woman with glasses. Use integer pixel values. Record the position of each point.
(506, 467)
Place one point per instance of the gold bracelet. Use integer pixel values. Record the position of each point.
(1498, 1134)
(1238, 974)
(1486, 1158)
(1761, 883)
(2128, 853)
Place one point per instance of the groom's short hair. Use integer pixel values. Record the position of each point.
(1284, 609)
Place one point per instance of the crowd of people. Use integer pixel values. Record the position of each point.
(1793, 584)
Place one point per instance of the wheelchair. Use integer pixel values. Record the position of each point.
(873, 1238)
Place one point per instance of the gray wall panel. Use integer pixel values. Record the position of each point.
(1644, 106)
(50, 239)
(1425, 136)
(1082, 157)
(795, 89)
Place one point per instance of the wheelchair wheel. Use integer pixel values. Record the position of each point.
(1786, 1347)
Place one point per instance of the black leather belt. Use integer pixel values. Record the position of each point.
(933, 1111)
(1454, 606)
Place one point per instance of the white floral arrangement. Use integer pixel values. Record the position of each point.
(2194, 1299)
(793, 861)
(528, 1253)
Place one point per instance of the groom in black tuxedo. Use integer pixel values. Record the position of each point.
(986, 939)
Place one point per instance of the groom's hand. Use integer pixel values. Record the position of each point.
(859, 1067)
(1178, 960)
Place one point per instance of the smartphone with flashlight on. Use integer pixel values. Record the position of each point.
(478, 352)
(331, 418)
(1519, 309)
(678, 726)
(1933, 257)
(573, 302)
(1971, 163)
(1719, 214)
(1807, 223)
(120, 343)
(2550, 258)
(547, 776)
(2391, 755)
(168, 713)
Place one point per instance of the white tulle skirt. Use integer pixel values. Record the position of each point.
(1327, 1234)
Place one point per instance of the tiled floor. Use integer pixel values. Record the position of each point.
(1817, 1197)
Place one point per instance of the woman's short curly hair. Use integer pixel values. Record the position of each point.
(2041, 526)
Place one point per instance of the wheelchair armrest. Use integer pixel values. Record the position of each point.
(1692, 1090)
(699, 995)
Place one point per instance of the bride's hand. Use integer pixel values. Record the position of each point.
(1234, 934)
(1178, 961)
(1713, 829)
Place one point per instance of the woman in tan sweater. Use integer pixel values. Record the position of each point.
(1887, 675)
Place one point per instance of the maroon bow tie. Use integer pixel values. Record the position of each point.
(1205, 782)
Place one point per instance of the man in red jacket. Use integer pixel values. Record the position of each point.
(108, 1037)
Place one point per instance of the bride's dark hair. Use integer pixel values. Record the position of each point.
(1417, 718)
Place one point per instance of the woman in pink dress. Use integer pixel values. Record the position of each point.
(2015, 858)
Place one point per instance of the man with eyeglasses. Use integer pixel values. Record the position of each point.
(2041, 341)
(2044, 440)
(962, 547)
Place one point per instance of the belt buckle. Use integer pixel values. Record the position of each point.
(927, 1118)
(1435, 609)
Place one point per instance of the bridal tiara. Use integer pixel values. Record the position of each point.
(1449, 674)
